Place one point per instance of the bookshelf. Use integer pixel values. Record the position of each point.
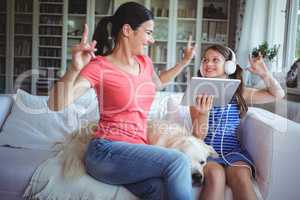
(36, 36)
(22, 44)
(206, 20)
(3, 19)
(215, 22)
(50, 44)
(77, 17)
(103, 8)
(187, 23)
(159, 50)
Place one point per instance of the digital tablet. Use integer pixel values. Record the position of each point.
(222, 90)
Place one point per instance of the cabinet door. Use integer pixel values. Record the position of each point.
(117, 3)
(3, 19)
(22, 44)
(159, 50)
(103, 8)
(77, 17)
(50, 43)
(186, 24)
(215, 23)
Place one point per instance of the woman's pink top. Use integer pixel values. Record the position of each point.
(124, 99)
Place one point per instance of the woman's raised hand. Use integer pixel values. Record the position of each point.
(83, 52)
(189, 52)
(204, 103)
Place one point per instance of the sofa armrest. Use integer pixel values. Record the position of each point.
(273, 143)
(6, 102)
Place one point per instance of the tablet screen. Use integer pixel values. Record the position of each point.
(222, 90)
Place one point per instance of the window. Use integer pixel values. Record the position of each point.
(297, 52)
(292, 33)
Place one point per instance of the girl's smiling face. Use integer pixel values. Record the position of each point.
(213, 64)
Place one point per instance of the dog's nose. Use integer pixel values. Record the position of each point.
(197, 178)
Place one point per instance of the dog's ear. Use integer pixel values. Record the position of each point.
(212, 152)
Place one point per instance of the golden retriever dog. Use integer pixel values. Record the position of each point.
(71, 151)
(171, 135)
(162, 133)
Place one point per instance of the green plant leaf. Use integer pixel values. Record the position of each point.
(266, 52)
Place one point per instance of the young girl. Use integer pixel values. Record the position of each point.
(217, 126)
(123, 80)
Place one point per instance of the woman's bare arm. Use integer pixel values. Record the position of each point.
(72, 85)
(168, 75)
(67, 89)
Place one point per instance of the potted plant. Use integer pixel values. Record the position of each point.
(268, 53)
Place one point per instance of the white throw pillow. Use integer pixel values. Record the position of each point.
(159, 108)
(177, 113)
(32, 124)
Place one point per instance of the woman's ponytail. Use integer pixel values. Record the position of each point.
(103, 37)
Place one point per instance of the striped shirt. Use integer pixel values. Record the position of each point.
(224, 120)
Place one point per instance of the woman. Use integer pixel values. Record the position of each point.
(124, 81)
(217, 126)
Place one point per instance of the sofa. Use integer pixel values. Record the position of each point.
(272, 141)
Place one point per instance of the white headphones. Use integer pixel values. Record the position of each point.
(229, 66)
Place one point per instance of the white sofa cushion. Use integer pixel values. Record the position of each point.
(273, 142)
(48, 183)
(32, 124)
(178, 114)
(159, 107)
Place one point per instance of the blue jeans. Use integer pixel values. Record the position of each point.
(149, 172)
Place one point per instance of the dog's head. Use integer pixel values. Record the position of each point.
(172, 135)
(198, 152)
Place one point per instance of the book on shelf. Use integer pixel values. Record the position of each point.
(186, 12)
(49, 63)
(50, 30)
(23, 48)
(24, 6)
(205, 31)
(53, 8)
(212, 26)
(50, 52)
(160, 12)
(218, 36)
(50, 41)
(48, 19)
(158, 53)
(77, 7)
(223, 35)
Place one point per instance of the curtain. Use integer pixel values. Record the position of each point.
(240, 18)
(263, 20)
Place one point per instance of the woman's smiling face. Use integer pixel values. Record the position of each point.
(142, 37)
